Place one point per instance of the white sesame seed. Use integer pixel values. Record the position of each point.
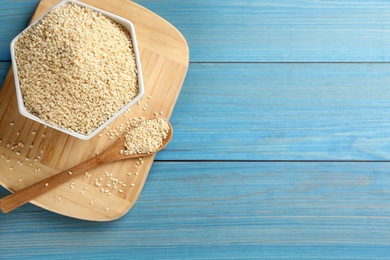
(70, 173)
(46, 184)
(102, 53)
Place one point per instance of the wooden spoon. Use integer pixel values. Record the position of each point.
(112, 154)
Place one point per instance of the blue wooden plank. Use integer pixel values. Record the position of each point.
(14, 17)
(258, 31)
(284, 30)
(225, 210)
(282, 112)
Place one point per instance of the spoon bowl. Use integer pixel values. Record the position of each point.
(112, 154)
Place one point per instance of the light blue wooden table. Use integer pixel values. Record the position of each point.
(281, 146)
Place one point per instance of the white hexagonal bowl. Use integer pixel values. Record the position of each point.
(126, 24)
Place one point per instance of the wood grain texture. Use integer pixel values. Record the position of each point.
(14, 17)
(281, 31)
(227, 210)
(31, 152)
(282, 112)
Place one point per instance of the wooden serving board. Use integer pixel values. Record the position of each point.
(30, 152)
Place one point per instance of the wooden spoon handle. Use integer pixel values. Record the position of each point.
(24, 195)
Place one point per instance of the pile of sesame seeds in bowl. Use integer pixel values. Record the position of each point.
(77, 69)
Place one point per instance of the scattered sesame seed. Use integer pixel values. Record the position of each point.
(70, 173)
(107, 209)
(11, 168)
(46, 184)
(132, 185)
(20, 179)
(12, 123)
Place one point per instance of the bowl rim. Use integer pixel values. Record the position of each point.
(141, 88)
